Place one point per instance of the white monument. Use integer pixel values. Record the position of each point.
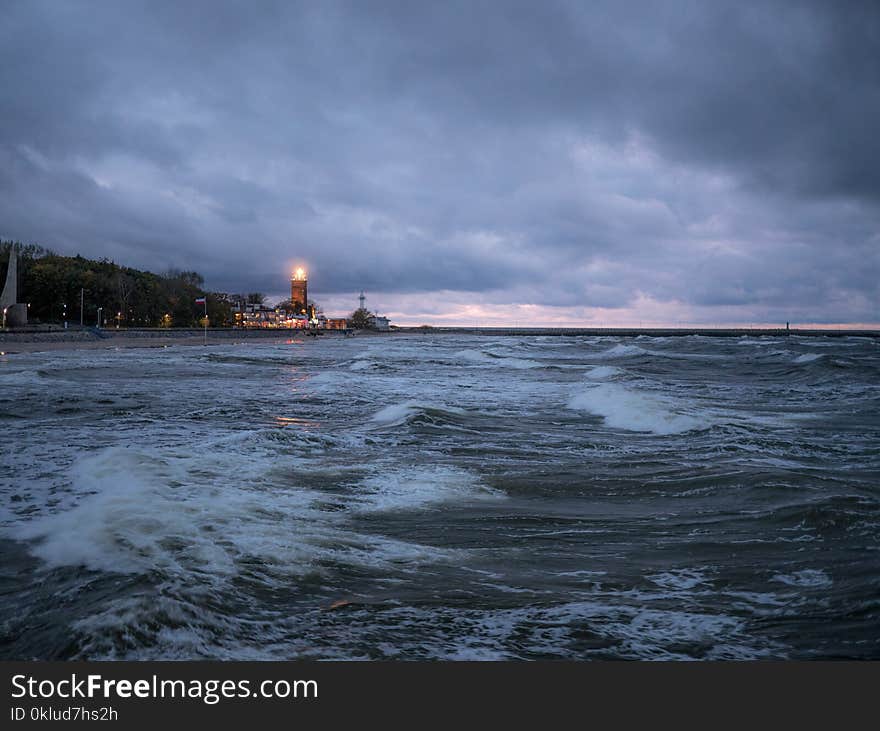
(14, 313)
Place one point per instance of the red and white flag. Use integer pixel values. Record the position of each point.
(200, 300)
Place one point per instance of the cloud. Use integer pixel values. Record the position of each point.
(613, 160)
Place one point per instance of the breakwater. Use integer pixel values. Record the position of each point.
(636, 332)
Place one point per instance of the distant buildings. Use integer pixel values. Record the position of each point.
(299, 314)
(372, 321)
(246, 314)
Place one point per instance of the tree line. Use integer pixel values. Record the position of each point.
(53, 286)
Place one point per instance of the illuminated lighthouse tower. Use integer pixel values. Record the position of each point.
(299, 291)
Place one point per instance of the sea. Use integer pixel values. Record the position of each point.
(443, 496)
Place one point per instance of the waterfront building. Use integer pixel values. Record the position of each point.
(381, 324)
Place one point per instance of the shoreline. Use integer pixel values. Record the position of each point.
(34, 341)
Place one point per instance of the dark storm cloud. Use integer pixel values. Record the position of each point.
(712, 155)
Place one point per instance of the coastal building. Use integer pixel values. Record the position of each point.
(374, 322)
(249, 315)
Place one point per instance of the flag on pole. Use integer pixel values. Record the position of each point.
(204, 301)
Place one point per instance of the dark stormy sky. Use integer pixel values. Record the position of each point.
(463, 162)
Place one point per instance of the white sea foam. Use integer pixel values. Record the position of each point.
(600, 373)
(361, 365)
(807, 578)
(328, 376)
(682, 579)
(621, 351)
(626, 408)
(807, 358)
(638, 631)
(399, 413)
(836, 343)
(141, 512)
(745, 340)
(484, 358)
(418, 487)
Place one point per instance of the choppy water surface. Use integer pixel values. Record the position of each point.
(469, 497)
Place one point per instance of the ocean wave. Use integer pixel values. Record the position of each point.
(634, 631)
(599, 373)
(806, 578)
(679, 580)
(746, 340)
(149, 513)
(488, 358)
(408, 410)
(621, 351)
(420, 487)
(20, 378)
(633, 351)
(626, 408)
(41, 379)
(245, 360)
(807, 358)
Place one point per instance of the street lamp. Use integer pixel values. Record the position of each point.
(100, 309)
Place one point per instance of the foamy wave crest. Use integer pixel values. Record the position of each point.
(41, 378)
(140, 515)
(485, 358)
(745, 340)
(807, 578)
(807, 358)
(621, 351)
(600, 373)
(403, 412)
(419, 487)
(145, 513)
(624, 408)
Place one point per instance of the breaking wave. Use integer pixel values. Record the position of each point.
(141, 513)
(626, 408)
(621, 351)
(409, 410)
(488, 358)
(601, 372)
(420, 487)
